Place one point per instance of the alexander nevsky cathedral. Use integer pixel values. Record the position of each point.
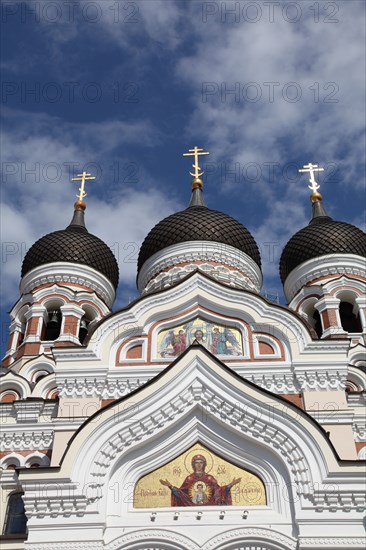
(201, 416)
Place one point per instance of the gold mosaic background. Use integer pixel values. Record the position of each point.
(218, 339)
(150, 493)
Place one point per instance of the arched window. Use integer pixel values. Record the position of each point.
(87, 321)
(313, 316)
(350, 322)
(16, 520)
(53, 327)
(317, 323)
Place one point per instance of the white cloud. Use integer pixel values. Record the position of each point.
(32, 206)
(122, 22)
(304, 53)
(230, 55)
(225, 53)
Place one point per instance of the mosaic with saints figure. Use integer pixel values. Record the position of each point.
(199, 477)
(218, 339)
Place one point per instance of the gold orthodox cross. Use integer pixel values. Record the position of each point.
(83, 178)
(311, 169)
(196, 152)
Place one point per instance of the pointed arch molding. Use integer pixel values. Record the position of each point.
(196, 396)
(201, 290)
(95, 374)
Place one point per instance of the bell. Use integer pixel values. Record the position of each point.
(54, 318)
(83, 324)
(83, 330)
(53, 326)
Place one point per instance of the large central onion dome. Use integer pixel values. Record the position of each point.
(199, 238)
(74, 245)
(198, 223)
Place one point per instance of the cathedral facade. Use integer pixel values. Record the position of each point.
(202, 416)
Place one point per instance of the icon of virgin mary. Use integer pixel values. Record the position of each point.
(200, 488)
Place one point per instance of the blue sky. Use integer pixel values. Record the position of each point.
(123, 88)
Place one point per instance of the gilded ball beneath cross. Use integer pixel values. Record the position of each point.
(197, 183)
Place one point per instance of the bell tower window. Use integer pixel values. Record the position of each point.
(312, 315)
(349, 320)
(317, 323)
(53, 327)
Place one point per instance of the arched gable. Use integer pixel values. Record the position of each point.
(199, 290)
(197, 398)
(274, 327)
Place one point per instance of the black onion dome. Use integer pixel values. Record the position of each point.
(322, 236)
(75, 245)
(198, 223)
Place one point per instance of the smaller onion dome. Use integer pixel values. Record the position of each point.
(74, 245)
(322, 236)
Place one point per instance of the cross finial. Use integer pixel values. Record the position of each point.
(195, 152)
(311, 169)
(82, 178)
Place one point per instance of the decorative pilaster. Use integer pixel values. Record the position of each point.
(361, 302)
(328, 307)
(16, 331)
(35, 318)
(71, 316)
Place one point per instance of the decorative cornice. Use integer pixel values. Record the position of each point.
(58, 272)
(330, 265)
(59, 504)
(87, 545)
(173, 263)
(94, 387)
(321, 380)
(26, 440)
(333, 542)
(282, 380)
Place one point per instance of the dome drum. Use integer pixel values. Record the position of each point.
(329, 266)
(69, 274)
(220, 261)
